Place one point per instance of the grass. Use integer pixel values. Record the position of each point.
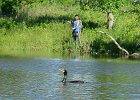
(43, 29)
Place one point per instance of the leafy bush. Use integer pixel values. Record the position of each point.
(42, 25)
(7, 23)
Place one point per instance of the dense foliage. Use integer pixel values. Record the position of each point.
(41, 25)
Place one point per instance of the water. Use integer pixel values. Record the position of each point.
(40, 79)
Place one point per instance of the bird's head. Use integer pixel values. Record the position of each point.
(64, 71)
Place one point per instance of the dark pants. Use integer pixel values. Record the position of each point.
(76, 36)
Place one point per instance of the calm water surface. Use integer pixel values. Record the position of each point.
(39, 79)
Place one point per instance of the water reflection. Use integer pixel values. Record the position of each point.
(39, 79)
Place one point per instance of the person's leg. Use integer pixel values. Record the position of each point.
(74, 38)
(79, 39)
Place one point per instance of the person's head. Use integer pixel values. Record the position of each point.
(76, 17)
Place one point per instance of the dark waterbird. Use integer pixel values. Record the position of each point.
(64, 80)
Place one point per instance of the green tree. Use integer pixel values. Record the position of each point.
(11, 7)
(102, 4)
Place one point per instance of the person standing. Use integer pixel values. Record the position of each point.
(76, 30)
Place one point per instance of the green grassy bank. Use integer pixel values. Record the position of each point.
(42, 27)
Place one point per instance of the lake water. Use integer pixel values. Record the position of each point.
(40, 79)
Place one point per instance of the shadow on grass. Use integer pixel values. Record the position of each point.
(55, 19)
(37, 21)
(90, 25)
(46, 19)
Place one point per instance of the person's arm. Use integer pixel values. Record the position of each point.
(77, 25)
(78, 22)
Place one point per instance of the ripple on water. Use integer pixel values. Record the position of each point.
(39, 79)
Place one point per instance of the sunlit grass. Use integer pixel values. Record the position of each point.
(50, 34)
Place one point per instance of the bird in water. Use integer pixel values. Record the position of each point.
(64, 80)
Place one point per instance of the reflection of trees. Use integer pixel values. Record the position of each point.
(111, 86)
(11, 83)
(104, 88)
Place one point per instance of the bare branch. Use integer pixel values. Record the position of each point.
(116, 43)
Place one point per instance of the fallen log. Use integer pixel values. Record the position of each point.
(135, 55)
(116, 43)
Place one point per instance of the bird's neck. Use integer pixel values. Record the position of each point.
(64, 78)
